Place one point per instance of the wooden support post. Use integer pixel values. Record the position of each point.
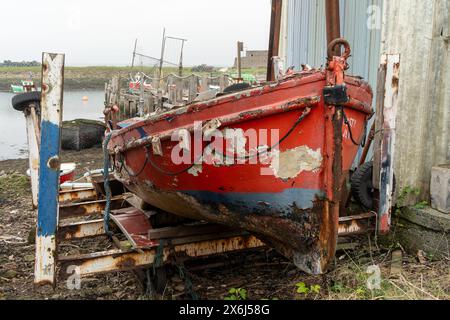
(192, 88)
(171, 89)
(155, 79)
(204, 85)
(381, 81)
(222, 82)
(51, 113)
(390, 104)
(141, 96)
(151, 104)
(33, 154)
(240, 48)
(179, 91)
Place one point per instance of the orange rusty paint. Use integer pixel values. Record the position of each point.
(72, 196)
(117, 260)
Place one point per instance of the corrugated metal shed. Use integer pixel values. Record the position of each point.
(305, 34)
(419, 31)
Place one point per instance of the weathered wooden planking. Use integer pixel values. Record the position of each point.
(51, 115)
(386, 183)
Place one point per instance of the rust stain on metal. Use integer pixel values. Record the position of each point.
(80, 230)
(117, 260)
(89, 208)
(73, 196)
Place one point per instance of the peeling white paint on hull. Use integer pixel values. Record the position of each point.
(290, 163)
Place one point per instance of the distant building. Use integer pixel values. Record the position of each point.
(253, 59)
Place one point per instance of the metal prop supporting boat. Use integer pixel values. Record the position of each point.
(270, 160)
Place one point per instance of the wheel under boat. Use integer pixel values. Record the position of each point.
(270, 160)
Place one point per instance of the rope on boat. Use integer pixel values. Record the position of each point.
(299, 120)
(151, 272)
(148, 158)
(106, 214)
(172, 75)
(168, 173)
(158, 262)
(134, 175)
(159, 257)
(183, 273)
(347, 123)
(259, 153)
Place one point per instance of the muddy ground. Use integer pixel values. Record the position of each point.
(262, 274)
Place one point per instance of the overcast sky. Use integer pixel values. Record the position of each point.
(102, 32)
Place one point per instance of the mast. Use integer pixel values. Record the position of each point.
(332, 16)
(134, 54)
(161, 61)
(274, 37)
(180, 63)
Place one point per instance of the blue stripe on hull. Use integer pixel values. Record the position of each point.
(283, 203)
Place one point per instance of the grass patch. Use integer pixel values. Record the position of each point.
(94, 77)
(14, 184)
(350, 281)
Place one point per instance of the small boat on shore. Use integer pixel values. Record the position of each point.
(80, 134)
(26, 86)
(270, 160)
(66, 172)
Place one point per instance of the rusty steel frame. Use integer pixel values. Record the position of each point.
(79, 230)
(90, 208)
(77, 195)
(354, 225)
(126, 260)
(120, 260)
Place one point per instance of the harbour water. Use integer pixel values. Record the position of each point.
(13, 136)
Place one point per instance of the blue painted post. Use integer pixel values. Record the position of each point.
(51, 119)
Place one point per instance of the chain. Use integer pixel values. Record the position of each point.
(106, 215)
(183, 273)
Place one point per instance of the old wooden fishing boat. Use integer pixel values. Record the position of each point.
(284, 188)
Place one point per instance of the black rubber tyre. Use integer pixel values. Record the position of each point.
(21, 101)
(362, 186)
(237, 87)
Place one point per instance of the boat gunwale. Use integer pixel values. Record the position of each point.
(286, 83)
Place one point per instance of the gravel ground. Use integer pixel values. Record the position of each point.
(261, 274)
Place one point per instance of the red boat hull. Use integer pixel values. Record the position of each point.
(294, 206)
